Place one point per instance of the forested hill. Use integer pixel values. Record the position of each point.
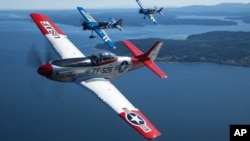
(223, 47)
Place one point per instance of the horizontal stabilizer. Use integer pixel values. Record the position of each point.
(152, 66)
(147, 58)
(132, 48)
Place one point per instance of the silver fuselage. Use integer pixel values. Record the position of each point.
(83, 71)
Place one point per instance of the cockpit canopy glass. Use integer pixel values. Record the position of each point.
(102, 57)
(93, 60)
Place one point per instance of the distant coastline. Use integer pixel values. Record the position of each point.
(232, 12)
(221, 47)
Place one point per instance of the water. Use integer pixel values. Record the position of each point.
(196, 102)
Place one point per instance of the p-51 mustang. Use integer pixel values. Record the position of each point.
(91, 24)
(95, 72)
(149, 12)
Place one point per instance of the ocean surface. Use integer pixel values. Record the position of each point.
(197, 102)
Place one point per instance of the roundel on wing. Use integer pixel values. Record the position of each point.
(135, 119)
(123, 66)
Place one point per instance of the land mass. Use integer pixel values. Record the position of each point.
(222, 47)
(131, 17)
(245, 19)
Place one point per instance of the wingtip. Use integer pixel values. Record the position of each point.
(164, 77)
(45, 24)
(140, 123)
(34, 14)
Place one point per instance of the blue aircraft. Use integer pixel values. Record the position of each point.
(91, 24)
(149, 12)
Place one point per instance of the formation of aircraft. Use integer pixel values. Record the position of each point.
(91, 24)
(96, 71)
(149, 12)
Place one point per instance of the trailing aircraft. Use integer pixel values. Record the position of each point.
(91, 24)
(96, 71)
(149, 12)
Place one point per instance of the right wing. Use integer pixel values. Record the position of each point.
(86, 15)
(104, 36)
(108, 93)
(61, 44)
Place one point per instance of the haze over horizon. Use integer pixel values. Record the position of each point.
(57, 4)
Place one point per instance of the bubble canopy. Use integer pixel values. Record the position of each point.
(93, 60)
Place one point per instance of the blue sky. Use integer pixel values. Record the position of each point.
(71, 4)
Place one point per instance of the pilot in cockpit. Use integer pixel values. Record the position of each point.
(102, 57)
(95, 58)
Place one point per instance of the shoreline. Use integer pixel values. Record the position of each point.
(220, 47)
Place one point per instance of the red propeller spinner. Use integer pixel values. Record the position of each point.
(45, 70)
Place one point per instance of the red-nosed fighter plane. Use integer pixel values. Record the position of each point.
(95, 72)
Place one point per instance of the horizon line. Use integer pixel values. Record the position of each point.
(122, 7)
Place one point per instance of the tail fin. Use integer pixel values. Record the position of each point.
(118, 24)
(147, 58)
(160, 11)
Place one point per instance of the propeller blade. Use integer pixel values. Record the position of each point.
(156, 9)
(34, 58)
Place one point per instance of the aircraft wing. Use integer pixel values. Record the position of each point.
(140, 4)
(151, 17)
(61, 44)
(86, 15)
(108, 93)
(104, 36)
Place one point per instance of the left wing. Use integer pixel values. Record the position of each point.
(108, 93)
(151, 17)
(61, 44)
(140, 4)
(103, 35)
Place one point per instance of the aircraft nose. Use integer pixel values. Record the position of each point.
(45, 70)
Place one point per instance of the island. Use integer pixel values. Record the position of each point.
(222, 47)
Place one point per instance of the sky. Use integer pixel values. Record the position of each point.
(71, 4)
